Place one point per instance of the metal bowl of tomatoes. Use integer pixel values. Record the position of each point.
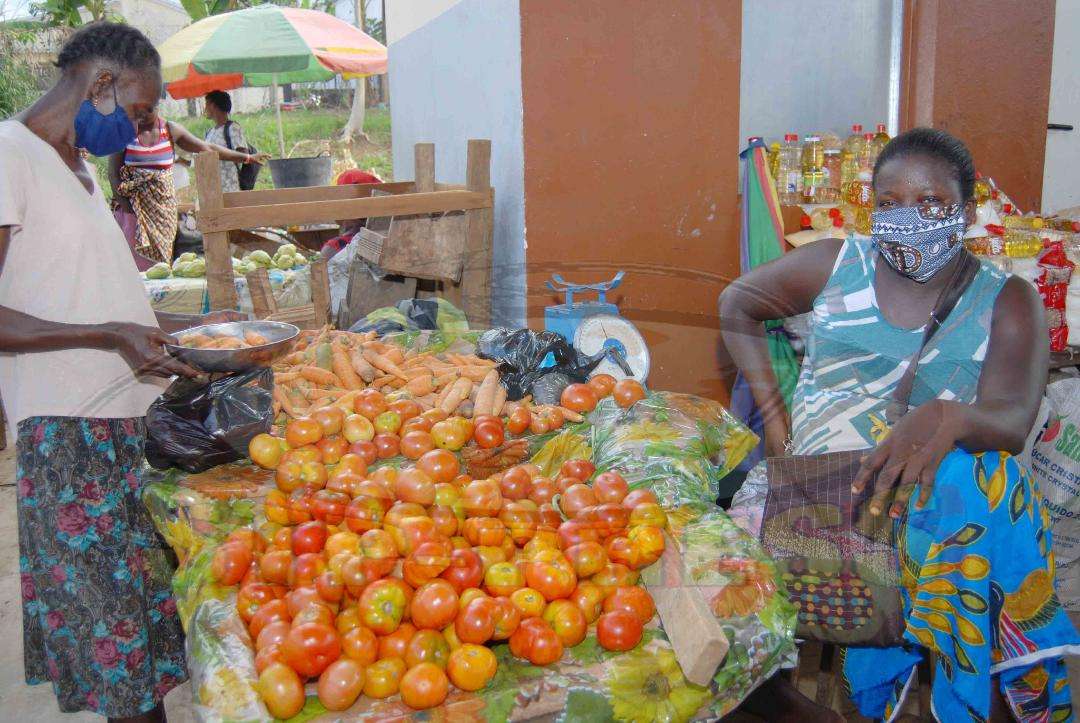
(233, 346)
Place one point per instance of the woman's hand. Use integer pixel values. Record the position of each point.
(776, 433)
(141, 347)
(910, 455)
(260, 157)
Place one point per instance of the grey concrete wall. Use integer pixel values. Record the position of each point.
(456, 77)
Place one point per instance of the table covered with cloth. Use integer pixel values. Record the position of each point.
(676, 445)
(178, 295)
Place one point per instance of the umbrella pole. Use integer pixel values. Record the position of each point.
(277, 112)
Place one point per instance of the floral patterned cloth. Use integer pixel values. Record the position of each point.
(99, 620)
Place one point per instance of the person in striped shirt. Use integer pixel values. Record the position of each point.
(142, 182)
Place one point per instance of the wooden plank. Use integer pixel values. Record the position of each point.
(292, 214)
(424, 159)
(262, 293)
(300, 316)
(320, 291)
(476, 273)
(219, 273)
(450, 186)
(241, 199)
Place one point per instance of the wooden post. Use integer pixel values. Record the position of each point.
(219, 273)
(476, 274)
(262, 294)
(320, 291)
(424, 157)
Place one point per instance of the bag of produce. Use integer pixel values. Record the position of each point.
(195, 426)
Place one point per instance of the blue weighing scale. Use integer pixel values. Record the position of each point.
(592, 326)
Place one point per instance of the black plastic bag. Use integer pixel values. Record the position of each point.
(521, 352)
(195, 426)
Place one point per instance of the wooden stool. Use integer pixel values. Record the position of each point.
(313, 316)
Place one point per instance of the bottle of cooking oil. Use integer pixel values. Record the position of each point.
(854, 143)
(789, 172)
(880, 140)
(830, 191)
(813, 168)
(773, 160)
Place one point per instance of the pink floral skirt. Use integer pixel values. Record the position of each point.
(99, 620)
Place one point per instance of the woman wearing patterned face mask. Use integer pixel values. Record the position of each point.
(82, 360)
(943, 470)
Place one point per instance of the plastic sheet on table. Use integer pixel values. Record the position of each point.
(677, 445)
(221, 665)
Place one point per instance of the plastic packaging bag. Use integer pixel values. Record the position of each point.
(196, 426)
(522, 355)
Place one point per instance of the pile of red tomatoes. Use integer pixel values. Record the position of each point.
(395, 581)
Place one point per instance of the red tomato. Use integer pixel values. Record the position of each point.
(610, 487)
(274, 566)
(366, 450)
(378, 545)
(332, 449)
(329, 507)
(567, 620)
(618, 630)
(487, 531)
(434, 605)
(340, 684)
(382, 606)
(564, 483)
(309, 537)
(589, 597)
(537, 642)
(633, 599)
(489, 435)
(579, 398)
(266, 657)
(602, 384)
(518, 421)
(273, 634)
(520, 521)
(395, 644)
(439, 464)
(610, 518)
(388, 445)
(465, 570)
(304, 568)
(573, 532)
(416, 444)
(551, 579)
(413, 485)
(405, 408)
(364, 513)
(370, 403)
(507, 618)
(627, 392)
(614, 575)
(424, 686)
(426, 562)
(282, 690)
(314, 614)
(543, 489)
(576, 498)
(330, 419)
(266, 614)
(539, 424)
(330, 587)
(516, 484)
(230, 563)
(310, 647)
(582, 469)
(299, 598)
(447, 522)
(482, 498)
(550, 519)
(635, 498)
(476, 621)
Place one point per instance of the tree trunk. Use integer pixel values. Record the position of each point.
(355, 127)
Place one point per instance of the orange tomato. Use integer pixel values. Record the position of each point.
(576, 498)
(602, 384)
(231, 562)
(424, 686)
(543, 489)
(503, 578)
(588, 558)
(310, 647)
(347, 620)
(567, 620)
(265, 614)
(516, 484)
(529, 602)
(383, 677)
(361, 645)
(266, 657)
(589, 597)
(427, 646)
(333, 449)
(281, 690)
(633, 599)
(507, 618)
(273, 634)
(482, 498)
(358, 429)
(537, 642)
(340, 684)
(486, 531)
(415, 444)
(471, 667)
(519, 420)
(579, 398)
(448, 435)
(520, 520)
(274, 566)
(413, 485)
(265, 451)
(627, 392)
(476, 621)
(636, 497)
(302, 431)
(370, 403)
(426, 562)
(394, 644)
(434, 605)
(553, 580)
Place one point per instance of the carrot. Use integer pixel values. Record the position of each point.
(420, 386)
(475, 373)
(459, 392)
(395, 355)
(570, 414)
(445, 380)
(282, 377)
(345, 401)
(320, 376)
(485, 394)
(428, 401)
(500, 399)
(385, 364)
(362, 366)
(342, 367)
(280, 397)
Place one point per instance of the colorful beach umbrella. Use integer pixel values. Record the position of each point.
(762, 240)
(265, 46)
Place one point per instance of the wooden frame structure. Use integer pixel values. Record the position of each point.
(221, 212)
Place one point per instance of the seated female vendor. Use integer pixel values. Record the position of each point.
(1000, 634)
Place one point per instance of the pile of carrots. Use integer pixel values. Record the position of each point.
(330, 368)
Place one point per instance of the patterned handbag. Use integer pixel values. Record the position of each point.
(837, 561)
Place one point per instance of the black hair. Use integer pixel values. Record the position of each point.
(934, 143)
(221, 100)
(106, 40)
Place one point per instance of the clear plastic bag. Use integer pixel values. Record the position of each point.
(196, 426)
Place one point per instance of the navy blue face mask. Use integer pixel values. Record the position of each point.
(100, 134)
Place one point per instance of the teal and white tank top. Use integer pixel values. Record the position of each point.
(855, 358)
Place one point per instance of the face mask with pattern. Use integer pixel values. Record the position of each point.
(918, 241)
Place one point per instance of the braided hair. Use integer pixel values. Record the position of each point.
(934, 143)
(104, 40)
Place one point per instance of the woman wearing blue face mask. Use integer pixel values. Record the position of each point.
(943, 470)
(82, 360)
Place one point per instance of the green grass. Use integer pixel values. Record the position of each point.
(307, 128)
